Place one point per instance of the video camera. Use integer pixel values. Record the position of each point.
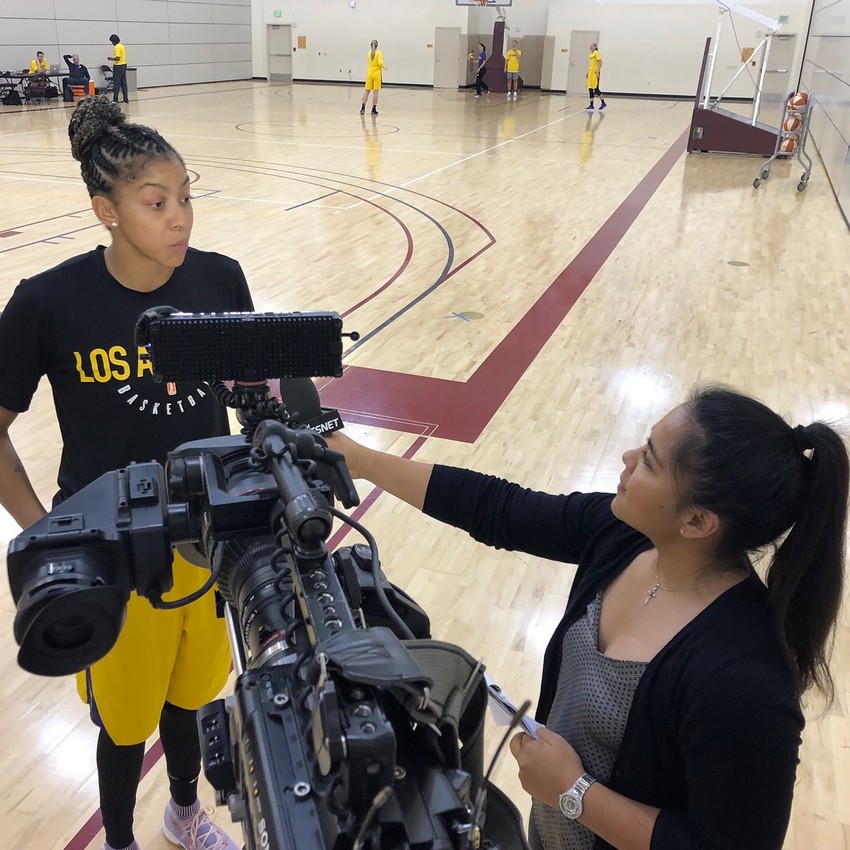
(349, 728)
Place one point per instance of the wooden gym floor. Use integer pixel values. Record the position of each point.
(534, 287)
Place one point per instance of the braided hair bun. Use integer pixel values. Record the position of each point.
(110, 149)
(93, 118)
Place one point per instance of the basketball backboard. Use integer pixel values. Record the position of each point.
(486, 3)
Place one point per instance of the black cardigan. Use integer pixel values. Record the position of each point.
(714, 729)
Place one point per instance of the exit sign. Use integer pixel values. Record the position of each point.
(277, 13)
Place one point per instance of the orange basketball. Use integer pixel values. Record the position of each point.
(788, 145)
(799, 100)
(792, 124)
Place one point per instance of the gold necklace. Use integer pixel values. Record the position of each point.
(653, 591)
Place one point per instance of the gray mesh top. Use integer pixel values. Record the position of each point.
(590, 710)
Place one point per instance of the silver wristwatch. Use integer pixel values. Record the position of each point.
(571, 802)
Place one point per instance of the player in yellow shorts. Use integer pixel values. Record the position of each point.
(594, 70)
(60, 323)
(180, 657)
(374, 67)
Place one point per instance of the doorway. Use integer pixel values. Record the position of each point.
(446, 57)
(580, 41)
(279, 41)
(777, 74)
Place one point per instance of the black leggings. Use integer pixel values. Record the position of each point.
(479, 81)
(119, 771)
(595, 93)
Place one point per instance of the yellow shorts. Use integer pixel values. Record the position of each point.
(373, 80)
(592, 81)
(180, 656)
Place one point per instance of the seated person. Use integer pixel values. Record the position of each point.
(78, 75)
(39, 64)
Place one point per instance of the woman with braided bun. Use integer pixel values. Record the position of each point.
(74, 323)
(671, 687)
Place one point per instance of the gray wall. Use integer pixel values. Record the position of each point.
(826, 74)
(169, 41)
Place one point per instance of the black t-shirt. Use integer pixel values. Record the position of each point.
(75, 324)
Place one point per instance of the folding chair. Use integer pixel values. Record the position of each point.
(36, 89)
(107, 75)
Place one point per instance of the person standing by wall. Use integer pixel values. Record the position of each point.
(512, 62)
(594, 71)
(480, 69)
(119, 69)
(374, 67)
(78, 75)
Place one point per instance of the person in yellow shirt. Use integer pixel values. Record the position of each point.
(119, 69)
(512, 60)
(39, 64)
(594, 70)
(374, 67)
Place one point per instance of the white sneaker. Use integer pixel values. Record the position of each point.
(508, 95)
(514, 95)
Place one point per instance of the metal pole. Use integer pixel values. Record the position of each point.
(757, 101)
(740, 71)
(715, 44)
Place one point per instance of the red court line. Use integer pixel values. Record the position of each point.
(462, 409)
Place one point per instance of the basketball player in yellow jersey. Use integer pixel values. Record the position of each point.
(374, 66)
(512, 60)
(594, 69)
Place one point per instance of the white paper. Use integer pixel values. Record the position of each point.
(504, 711)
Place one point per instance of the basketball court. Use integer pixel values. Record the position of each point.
(534, 287)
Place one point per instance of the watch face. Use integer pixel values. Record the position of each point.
(570, 804)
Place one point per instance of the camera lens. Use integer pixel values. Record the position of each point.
(69, 633)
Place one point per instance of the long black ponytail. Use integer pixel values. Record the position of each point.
(765, 479)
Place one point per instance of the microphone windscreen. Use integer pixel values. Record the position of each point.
(301, 396)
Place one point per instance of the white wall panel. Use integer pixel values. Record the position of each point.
(231, 14)
(151, 54)
(191, 54)
(154, 75)
(88, 32)
(192, 73)
(190, 33)
(134, 33)
(232, 53)
(90, 10)
(141, 10)
(200, 13)
(28, 9)
(233, 70)
(232, 33)
(826, 75)
(19, 31)
(843, 187)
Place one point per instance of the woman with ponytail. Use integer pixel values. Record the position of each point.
(374, 77)
(671, 688)
(75, 324)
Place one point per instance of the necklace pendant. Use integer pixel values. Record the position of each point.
(651, 594)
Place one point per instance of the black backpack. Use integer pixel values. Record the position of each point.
(12, 98)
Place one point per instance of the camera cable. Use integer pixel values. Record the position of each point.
(377, 574)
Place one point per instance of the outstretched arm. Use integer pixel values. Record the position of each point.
(405, 479)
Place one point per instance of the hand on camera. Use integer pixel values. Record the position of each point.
(547, 766)
(352, 451)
